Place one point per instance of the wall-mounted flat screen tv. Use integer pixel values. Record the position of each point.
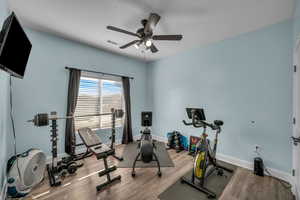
(15, 47)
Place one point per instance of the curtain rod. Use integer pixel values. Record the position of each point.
(103, 73)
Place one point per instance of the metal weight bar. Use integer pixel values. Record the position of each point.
(42, 119)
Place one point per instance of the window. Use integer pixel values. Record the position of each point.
(98, 95)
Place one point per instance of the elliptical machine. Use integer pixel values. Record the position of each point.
(205, 162)
(146, 144)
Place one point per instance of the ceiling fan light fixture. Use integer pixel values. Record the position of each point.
(145, 35)
(148, 43)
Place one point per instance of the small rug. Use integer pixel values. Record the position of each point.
(131, 150)
(215, 183)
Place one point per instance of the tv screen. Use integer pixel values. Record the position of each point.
(15, 47)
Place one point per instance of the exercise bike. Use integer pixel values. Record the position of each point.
(146, 145)
(205, 162)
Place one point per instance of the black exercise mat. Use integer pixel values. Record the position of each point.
(180, 191)
(131, 151)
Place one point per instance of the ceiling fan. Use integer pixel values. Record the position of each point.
(145, 34)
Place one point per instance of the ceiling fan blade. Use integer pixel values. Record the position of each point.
(152, 21)
(167, 37)
(121, 31)
(129, 44)
(153, 48)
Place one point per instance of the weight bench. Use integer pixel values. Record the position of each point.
(101, 151)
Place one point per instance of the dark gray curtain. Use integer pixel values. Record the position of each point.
(127, 132)
(70, 138)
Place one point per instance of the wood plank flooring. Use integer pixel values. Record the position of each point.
(246, 185)
(147, 185)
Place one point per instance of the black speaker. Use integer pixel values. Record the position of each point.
(258, 166)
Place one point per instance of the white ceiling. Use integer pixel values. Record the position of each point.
(200, 21)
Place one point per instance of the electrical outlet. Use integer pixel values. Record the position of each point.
(257, 149)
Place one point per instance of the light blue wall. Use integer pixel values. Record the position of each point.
(297, 20)
(45, 85)
(6, 148)
(5, 133)
(239, 80)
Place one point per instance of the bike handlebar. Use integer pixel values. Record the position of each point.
(200, 123)
(196, 125)
(187, 124)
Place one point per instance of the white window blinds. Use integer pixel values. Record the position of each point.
(98, 95)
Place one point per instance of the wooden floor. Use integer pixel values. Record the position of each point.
(246, 185)
(147, 185)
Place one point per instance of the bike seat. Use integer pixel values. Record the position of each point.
(218, 122)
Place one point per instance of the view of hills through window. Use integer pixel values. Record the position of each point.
(98, 96)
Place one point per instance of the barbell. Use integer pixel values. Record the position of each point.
(42, 119)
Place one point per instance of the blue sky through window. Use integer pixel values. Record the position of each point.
(111, 87)
(89, 86)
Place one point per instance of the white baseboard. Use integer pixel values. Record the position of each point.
(155, 137)
(160, 138)
(136, 137)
